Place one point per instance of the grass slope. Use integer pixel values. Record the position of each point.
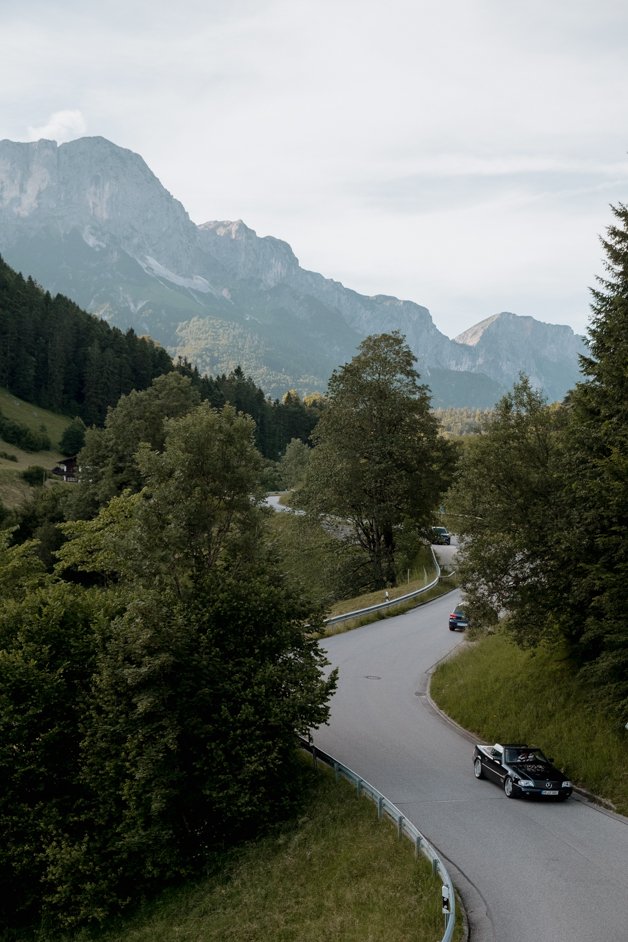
(33, 416)
(334, 873)
(504, 694)
(13, 489)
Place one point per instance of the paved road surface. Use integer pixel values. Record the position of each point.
(528, 871)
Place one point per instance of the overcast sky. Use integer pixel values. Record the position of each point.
(462, 154)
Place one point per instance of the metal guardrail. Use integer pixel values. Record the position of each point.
(405, 828)
(336, 619)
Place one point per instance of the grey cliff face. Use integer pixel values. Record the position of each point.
(507, 344)
(90, 220)
(103, 191)
(266, 261)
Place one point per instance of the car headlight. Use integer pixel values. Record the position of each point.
(566, 785)
(526, 783)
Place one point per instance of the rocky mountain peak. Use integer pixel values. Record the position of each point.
(90, 220)
(474, 334)
(245, 255)
(91, 185)
(507, 344)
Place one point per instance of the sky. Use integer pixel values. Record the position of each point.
(463, 154)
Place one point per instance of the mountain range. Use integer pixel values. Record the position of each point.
(88, 219)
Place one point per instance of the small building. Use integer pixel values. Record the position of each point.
(67, 470)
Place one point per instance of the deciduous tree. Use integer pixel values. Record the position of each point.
(205, 675)
(378, 464)
(543, 500)
(507, 506)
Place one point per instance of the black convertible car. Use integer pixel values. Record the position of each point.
(522, 771)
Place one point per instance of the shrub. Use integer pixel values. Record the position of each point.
(35, 475)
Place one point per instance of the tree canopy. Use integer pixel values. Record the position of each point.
(596, 482)
(173, 687)
(378, 465)
(542, 501)
(506, 507)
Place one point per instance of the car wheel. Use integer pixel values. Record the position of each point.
(477, 768)
(508, 787)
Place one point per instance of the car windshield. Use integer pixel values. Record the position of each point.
(523, 755)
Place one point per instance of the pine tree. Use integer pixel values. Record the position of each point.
(594, 549)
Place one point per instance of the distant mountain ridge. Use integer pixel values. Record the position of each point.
(90, 220)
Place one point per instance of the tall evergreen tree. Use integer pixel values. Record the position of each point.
(594, 548)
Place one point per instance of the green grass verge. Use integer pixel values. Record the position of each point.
(446, 584)
(336, 873)
(504, 694)
(423, 573)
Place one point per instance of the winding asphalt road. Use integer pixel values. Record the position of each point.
(526, 871)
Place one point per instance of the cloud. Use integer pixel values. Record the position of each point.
(461, 154)
(61, 126)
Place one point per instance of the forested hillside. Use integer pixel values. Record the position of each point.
(159, 772)
(57, 356)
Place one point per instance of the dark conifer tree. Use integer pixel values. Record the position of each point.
(594, 548)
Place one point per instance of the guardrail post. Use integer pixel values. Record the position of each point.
(417, 845)
(400, 821)
(380, 806)
(358, 787)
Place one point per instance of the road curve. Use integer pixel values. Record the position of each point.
(541, 871)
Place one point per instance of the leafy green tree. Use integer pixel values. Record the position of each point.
(73, 438)
(21, 569)
(508, 509)
(197, 504)
(47, 652)
(294, 462)
(38, 519)
(203, 679)
(34, 475)
(379, 464)
(108, 463)
(190, 736)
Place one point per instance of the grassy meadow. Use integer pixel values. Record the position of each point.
(13, 460)
(33, 416)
